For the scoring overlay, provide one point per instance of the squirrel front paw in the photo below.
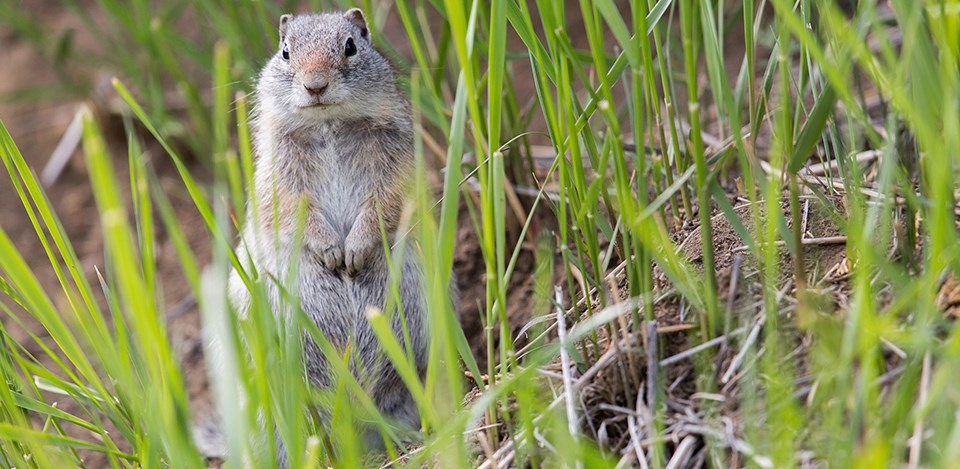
(331, 254)
(358, 252)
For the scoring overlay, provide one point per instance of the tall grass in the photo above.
(630, 108)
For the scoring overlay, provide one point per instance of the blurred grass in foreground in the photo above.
(630, 116)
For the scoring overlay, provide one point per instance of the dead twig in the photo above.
(635, 442)
(565, 365)
(699, 348)
(66, 147)
(487, 448)
(504, 455)
(606, 359)
(651, 364)
(738, 358)
(734, 281)
(683, 453)
(731, 441)
(916, 441)
(825, 241)
(820, 169)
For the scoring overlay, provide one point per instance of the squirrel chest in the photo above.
(331, 167)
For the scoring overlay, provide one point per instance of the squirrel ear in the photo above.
(355, 16)
(283, 25)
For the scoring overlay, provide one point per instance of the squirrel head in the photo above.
(326, 68)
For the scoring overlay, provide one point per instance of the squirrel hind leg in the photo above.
(208, 436)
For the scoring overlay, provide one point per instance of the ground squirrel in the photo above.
(332, 129)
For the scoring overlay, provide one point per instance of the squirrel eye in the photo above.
(349, 48)
(285, 53)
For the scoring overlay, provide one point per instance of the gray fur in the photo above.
(349, 153)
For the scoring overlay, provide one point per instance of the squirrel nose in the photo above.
(316, 88)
